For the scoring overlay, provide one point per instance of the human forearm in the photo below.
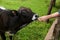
(44, 18)
(53, 15)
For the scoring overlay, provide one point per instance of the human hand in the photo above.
(43, 18)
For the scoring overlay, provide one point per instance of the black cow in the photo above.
(11, 20)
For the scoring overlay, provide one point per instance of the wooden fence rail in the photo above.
(54, 31)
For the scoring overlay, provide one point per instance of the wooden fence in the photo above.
(54, 31)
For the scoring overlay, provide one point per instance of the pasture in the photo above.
(35, 30)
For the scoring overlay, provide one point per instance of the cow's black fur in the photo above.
(11, 20)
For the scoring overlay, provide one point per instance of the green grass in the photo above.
(35, 30)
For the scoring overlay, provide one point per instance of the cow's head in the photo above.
(27, 14)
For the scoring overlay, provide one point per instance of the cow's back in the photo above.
(3, 20)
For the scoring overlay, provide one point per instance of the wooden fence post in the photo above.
(54, 31)
(49, 35)
(52, 3)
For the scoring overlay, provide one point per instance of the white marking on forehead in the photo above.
(34, 17)
(2, 8)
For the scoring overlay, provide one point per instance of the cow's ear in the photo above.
(14, 12)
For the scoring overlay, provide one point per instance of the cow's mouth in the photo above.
(35, 17)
